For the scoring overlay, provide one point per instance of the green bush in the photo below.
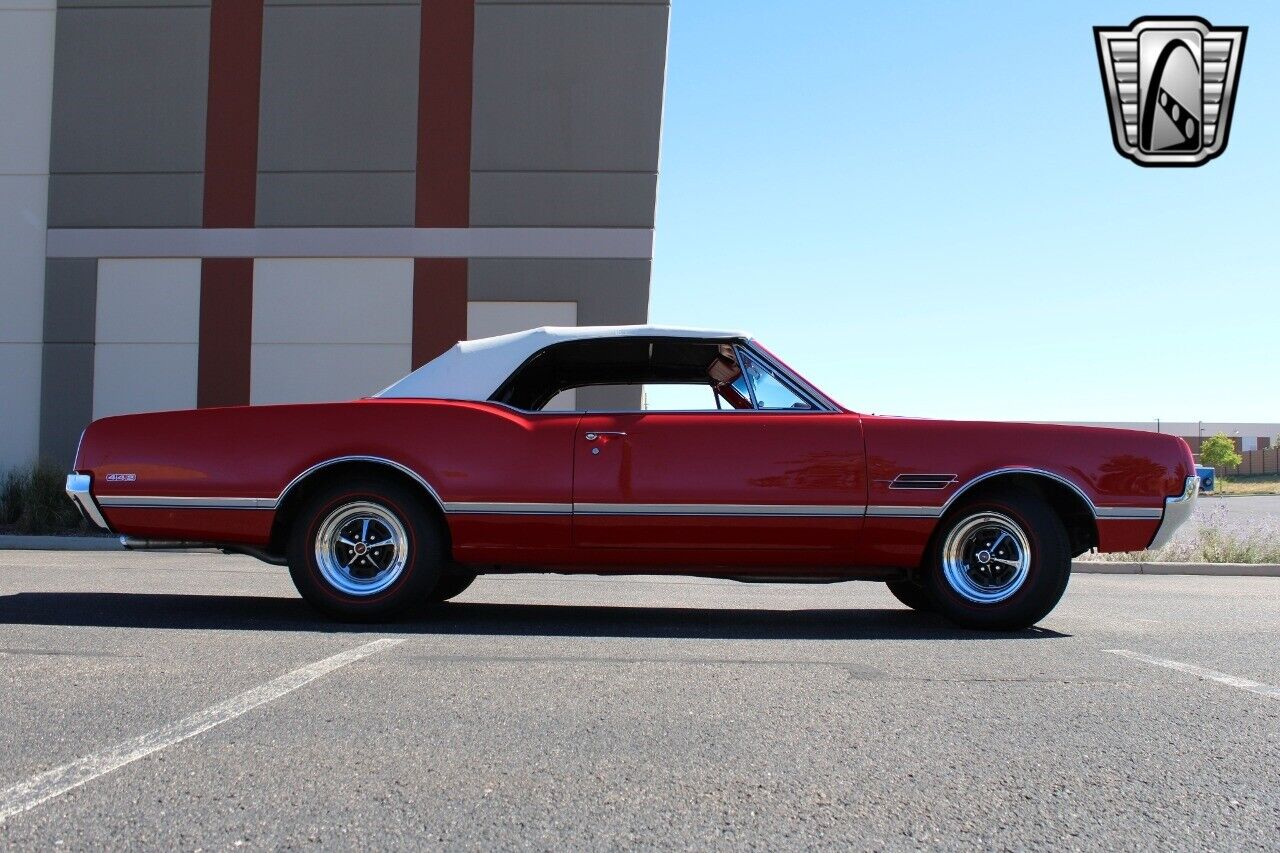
(34, 500)
(1220, 452)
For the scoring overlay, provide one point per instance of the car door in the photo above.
(719, 480)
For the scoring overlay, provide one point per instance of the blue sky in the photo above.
(919, 206)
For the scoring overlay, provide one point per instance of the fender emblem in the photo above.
(121, 478)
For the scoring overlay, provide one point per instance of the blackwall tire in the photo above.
(999, 563)
(912, 594)
(365, 550)
(450, 586)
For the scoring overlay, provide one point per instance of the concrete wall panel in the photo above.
(485, 319)
(27, 30)
(569, 2)
(568, 87)
(126, 201)
(22, 224)
(334, 199)
(106, 4)
(66, 372)
(143, 377)
(333, 300)
(607, 292)
(342, 2)
(66, 399)
(26, 90)
(296, 373)
(20, 391)
(130, 90)
(71, 298)
(148, 301)
(506, 199)
(339, 88)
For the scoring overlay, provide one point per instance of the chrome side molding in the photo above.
(78, 490)
(1177, 509)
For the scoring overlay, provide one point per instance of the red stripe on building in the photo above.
(226, 331)
(230, 199)
(443, 192)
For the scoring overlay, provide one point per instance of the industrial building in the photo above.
(238, 201)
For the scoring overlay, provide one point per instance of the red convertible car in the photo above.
(463, 467)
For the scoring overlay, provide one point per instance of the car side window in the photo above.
(770, 392)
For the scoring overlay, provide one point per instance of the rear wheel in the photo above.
(911, 594)
(999, 563)
(450, 586)
(364, 550)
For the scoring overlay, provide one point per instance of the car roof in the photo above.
(473, 370)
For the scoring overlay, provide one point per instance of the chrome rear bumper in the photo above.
(78, 490)
(1177, 510)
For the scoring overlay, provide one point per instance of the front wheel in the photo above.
(364, 550)
(999, 563)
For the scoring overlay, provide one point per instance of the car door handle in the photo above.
(592, 436)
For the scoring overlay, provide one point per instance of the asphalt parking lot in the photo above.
(193, 701)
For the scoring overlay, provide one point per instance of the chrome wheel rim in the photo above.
(986, 558)
(361, 548)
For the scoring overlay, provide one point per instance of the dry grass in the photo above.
(1210, 538)
(1262, 484)
(34, 500)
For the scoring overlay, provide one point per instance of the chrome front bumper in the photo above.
(78, 491)
(1177, 510)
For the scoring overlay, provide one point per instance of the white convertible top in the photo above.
(473, 370)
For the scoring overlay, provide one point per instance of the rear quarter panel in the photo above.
(465, 451)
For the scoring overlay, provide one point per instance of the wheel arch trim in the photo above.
(376, 460)
(1027, 470)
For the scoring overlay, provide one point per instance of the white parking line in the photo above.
(55, 782)
(1258, 687)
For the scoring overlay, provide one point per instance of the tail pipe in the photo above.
(134, 543)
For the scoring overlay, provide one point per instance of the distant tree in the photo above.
(1219, 452)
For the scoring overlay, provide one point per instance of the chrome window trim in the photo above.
(820, 400)
(821, 403)
(746, 379)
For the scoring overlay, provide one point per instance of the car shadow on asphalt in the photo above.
(229, 612)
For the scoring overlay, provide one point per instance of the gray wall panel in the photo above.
(126, 201)
(66, 377)
(414, 3)
(625, 199)
(568, 87)
(572, 2)
(335, 199)
(70, 300)
(339, 88)
(608, 292)
(130, 90)
(113, 4)
(66, 399)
